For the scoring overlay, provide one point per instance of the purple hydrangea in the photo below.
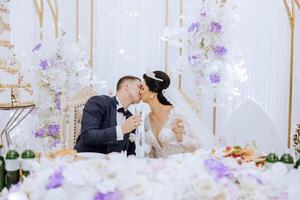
(41, 132)
(53, 129)
(217, 168)
(194, 27)
(215, 78)
(220, 50)
(44, 64)
(55, 180)
(116, 195)
(215, 27)
(37, 47)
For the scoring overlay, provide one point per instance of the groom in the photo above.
(106, 122)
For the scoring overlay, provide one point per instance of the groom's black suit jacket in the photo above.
(98, 128)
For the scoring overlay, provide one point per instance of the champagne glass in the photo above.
(140, 135)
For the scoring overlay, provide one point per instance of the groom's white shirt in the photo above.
(120, 120)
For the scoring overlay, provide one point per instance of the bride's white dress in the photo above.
(167, 143)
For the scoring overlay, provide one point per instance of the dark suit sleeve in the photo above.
(94, 112)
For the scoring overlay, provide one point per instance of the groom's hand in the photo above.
(131, 124)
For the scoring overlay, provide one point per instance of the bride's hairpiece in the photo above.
(152, 75)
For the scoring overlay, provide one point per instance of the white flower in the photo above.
(17, 196)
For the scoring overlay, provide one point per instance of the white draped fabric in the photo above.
(264, 41)
(127, 41)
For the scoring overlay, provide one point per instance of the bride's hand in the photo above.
(178, 128)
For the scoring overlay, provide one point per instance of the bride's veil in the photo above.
(197, 128)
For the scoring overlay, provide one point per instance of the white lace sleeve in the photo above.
(195, 127)
(189, 141)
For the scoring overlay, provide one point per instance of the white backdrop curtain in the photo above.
(126, 41)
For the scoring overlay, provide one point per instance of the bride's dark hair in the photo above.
(158, 86)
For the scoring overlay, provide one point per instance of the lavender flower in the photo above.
(215, 27)
(53, 129)
(55, 180)
(220, 50)
(217, 169)
(108, 196)
(37, 47)
(41, 132)
(44, 64)
(215, 78)
(194, 27)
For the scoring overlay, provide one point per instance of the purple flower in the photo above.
(55, 180)
(44, 64)
(53, 129)
(194, 27)
(220, 50)
(215, 27)
(215, 78)
(217, 168)
(41, 132)
(108, 196)
(37, 47)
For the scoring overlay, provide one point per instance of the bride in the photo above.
(171, 127)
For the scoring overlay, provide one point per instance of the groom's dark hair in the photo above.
(122, 80)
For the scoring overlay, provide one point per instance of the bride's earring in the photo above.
(152, 96)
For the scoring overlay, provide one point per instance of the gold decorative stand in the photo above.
(20, 113)
(21, 109)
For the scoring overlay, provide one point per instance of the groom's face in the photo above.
(134, 90)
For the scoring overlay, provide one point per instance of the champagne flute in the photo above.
(140, 130)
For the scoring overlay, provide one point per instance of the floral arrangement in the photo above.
(208, 50)
(55, 71)
(188, 176)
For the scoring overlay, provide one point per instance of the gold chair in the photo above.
(71, 120)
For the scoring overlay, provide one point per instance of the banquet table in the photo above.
(204, 174)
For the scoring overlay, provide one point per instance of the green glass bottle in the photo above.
(12, 167)
(287, 158)
(2, 169)
(272, 158)
(27, 157)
